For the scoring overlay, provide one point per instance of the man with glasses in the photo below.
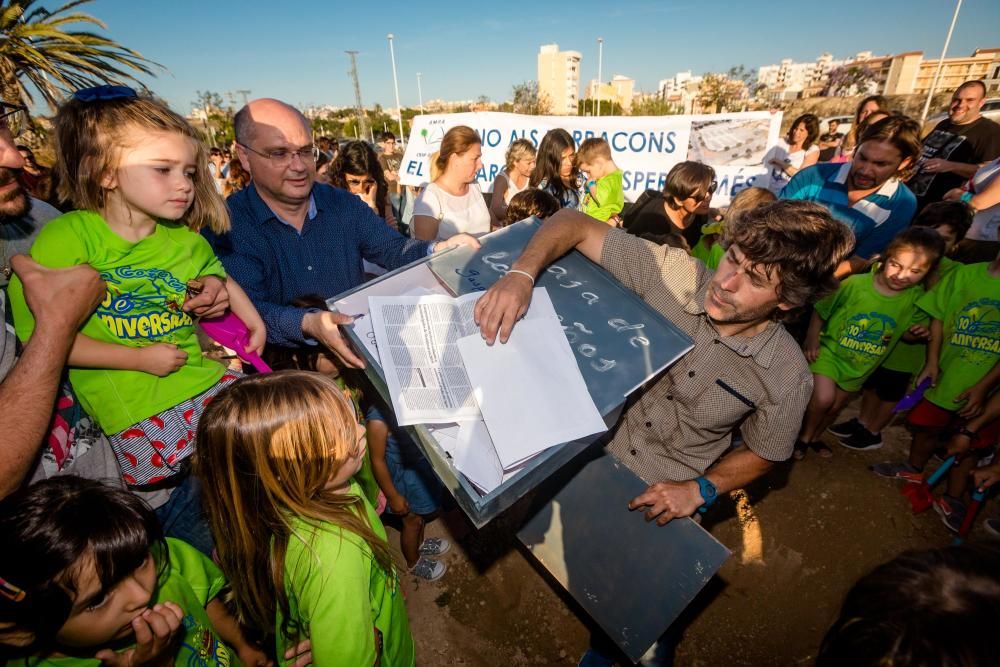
(866, 194)
(675, 216)
(293, 237)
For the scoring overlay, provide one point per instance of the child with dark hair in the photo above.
(935, 607)
(853, 329)
(88, 578)
(530, 202)
(962, 354)
(893, 378)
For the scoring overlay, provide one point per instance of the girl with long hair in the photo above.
(555, 168)
(139, 177)
(305, 551)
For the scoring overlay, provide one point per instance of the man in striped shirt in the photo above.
(866, 194)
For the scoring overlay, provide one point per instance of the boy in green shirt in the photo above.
(604, 198)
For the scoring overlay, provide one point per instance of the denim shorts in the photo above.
(411, 473)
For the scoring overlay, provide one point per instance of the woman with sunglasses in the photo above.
(675, 216)
(356, 169)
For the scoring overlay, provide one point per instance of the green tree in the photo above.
(528, 100)
(655, 106)
(607, 107)
(39, 52)
(719, 91)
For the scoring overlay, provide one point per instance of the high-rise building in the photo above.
(559, 78)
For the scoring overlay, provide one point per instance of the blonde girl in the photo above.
(305, 551)
(139, 177)
(513, 179)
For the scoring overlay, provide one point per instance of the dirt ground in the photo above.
(822, 524)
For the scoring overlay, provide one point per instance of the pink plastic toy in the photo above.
(230, 332)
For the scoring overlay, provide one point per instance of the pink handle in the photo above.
(230, 331)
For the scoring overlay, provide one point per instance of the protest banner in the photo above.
(644, 147)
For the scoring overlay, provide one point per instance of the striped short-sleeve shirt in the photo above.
(679, 425)
(874, 219)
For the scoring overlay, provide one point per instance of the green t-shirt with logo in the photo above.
(967, 302)
(338, 595)
(608, 198)
(861, 326)
(191, 581)
(147, 284)
(911, 357)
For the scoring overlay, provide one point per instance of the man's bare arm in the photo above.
(508, 299)
(61, 300)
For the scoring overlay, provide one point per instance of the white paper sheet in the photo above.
(418, 280)
(417, 341)
(530, 390)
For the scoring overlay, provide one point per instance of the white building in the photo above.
(559, 78)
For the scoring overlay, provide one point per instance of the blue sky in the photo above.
(294, 49)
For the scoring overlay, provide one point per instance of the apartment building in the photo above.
(559, 78)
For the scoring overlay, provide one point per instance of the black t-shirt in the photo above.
(972, 143)
(648, 217)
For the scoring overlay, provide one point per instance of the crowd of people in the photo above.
(164, 507)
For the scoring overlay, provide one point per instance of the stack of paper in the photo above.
(512, 401)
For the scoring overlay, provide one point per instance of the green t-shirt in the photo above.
(861, 327)
(607, 199)
(338, 595)
(710, 256)
(911, 357)
(967, 302)
(191, 581)
(147, 283)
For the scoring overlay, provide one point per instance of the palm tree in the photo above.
(37, 49)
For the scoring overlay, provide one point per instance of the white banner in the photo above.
(643, 147)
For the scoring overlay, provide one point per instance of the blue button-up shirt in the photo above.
(275, 263)
(874, 220)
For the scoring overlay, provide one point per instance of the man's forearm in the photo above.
(737, 469)
(564, 231)
(27, 396)
(964, 170)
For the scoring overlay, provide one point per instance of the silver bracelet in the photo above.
(523, 273)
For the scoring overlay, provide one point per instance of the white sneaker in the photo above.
(430, 570)
(434, 546)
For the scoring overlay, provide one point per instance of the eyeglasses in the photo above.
(13, 117)
(712, 187)
(282, 157)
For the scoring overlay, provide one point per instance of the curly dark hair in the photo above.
(798, 239)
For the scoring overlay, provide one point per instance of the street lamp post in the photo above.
(937, 73)
(395, 85)
(600, 64)
(420, 95)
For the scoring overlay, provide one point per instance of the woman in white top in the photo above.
(513, 179)
(453, 203)
(794, 153)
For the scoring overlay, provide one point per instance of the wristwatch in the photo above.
(708, 493)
